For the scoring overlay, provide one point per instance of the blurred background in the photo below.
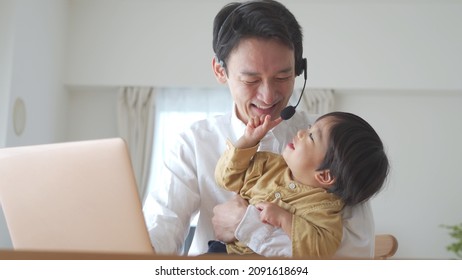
(396, 63)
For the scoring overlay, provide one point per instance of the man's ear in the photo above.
(324, 178)
(219, 70)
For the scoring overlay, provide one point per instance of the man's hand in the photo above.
(227, 216)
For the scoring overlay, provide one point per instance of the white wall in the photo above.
(92, 114)
(35, 74)
(382, 44)
(6, 50)
(349, 44)
(160, 43)
(396, 63)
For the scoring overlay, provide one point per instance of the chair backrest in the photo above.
(386, 246)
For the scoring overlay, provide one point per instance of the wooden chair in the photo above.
(386, 246)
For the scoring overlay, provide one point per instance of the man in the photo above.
(258, 53)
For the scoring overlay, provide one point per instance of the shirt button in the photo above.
(277, 195)
(292, 185)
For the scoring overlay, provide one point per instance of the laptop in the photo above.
(74, 196)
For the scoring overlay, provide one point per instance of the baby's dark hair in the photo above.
(355, 157)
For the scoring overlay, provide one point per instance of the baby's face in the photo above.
(307, 151)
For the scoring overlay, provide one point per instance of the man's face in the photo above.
(260, 76)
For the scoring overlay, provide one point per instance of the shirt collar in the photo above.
(237, 125)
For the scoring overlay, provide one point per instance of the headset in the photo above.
(289, 111)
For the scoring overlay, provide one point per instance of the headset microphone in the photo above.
(289, 111)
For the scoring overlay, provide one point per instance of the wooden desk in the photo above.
(53, 255)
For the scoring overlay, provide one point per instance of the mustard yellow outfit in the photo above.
(264, 176)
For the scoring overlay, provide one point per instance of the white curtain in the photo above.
(136, 126)
(317, 101)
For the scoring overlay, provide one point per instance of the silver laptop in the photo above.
(75, 196)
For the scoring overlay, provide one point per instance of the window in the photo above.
(175, 110)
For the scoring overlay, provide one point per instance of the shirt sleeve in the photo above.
(263, 239)
(167, 217)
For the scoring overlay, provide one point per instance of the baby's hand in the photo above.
(272, 214)
(257, 127)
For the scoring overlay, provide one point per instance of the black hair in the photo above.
(258, 18)
(355, 157)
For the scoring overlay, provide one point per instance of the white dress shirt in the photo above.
(189, 188)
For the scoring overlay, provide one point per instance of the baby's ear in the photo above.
(324, 178)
